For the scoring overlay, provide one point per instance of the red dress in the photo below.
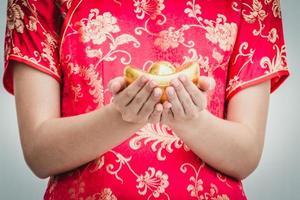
(83, 44)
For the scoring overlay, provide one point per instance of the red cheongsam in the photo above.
(83, 44)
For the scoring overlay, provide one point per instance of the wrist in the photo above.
(116, 116)
(194, 125)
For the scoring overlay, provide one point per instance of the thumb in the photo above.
(206, 83)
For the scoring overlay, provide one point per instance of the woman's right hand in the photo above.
(139, 102)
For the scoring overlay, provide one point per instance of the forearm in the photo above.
(62, 144)
(228, 146)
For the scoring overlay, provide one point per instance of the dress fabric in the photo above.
(83, 44)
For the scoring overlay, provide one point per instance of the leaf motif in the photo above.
(257, 6)
(250, 18)
(160, 138)
(92, 53)
(125, 38)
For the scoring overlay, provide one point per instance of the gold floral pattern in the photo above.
(153, 180)
(161, 138)
(22, 17)
(169, 38)
(98, 27)
(15, 17)
(218, 31)
(98, 39)
(197, 184)
(148, 7)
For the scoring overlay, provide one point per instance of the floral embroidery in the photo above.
(169, 38)
(213, 194)
(107, 194)
(91, 75)
(257, 13)
(157, 182)
(153, 181)
(153, 8)
(275, 7)
(243, 47)
(77, 92)
(98, 39)
(222, 33)
(197, 184)
(17, 20)
(159, 135)
(219, 31)
(98, 27)
(15, 17)
(277, 63)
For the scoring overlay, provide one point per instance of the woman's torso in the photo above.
(98, 38)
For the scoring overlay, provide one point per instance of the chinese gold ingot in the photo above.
(162, 73)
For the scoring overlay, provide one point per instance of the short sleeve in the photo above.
(31, 38)
(260, 52)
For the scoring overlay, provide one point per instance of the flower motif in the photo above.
(156, 182)
(222, 197)
(152, 8)
(233, 83)
(107, 194)
(98, 27)
(257, 12)
(272, 37)
(276, 8)
(222, 33)
(15, 17)
(169, 38)
(194, 189)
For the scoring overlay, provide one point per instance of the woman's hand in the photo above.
(185, 101)
(139, 102)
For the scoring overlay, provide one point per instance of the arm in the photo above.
(52, 144)
(233, 146)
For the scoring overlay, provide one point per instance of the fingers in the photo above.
(141, 98)
(206, 83)
(196, 95)
(183, 97)
(149, 105)
(155, 116)
(176, 108)
(116, 85)
(167, 114)
(127, 95)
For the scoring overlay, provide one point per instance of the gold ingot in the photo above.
(162, 73)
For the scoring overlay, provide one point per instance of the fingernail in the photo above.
(182, 77)
(143, 79)
(115, 86)
(159, 108)
(157, 93)
(170, 92)
(152, 84)
(175, 83)
(168, 105)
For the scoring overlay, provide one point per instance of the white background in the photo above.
(276, 178)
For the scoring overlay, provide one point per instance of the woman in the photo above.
(98, 139)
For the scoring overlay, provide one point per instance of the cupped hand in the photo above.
(185, 100)
(138, 102)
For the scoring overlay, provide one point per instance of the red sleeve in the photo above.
(259, 53)
(31, 38)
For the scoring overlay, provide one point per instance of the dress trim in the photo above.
(281, 75)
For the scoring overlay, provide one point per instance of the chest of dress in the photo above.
(99, 38)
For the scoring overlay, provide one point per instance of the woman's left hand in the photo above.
(186, 101)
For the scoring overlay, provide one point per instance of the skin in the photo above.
(53, 145)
